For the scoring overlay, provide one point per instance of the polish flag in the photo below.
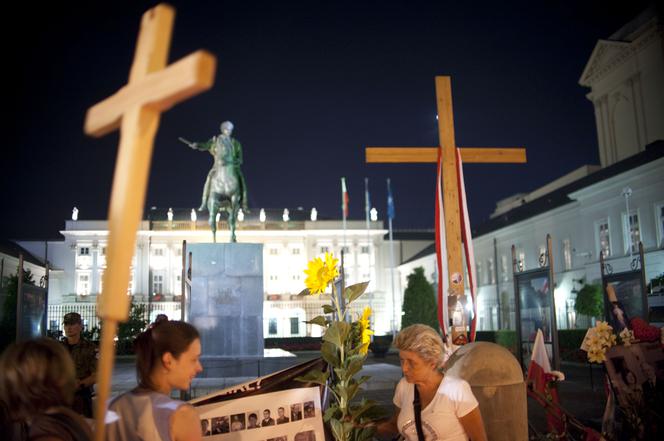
(543, 381)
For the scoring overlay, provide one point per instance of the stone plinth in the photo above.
(227, 306)
(496, 379)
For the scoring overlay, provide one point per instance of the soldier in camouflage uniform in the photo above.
(84, 354)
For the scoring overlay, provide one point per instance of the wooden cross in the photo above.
(136, 109)
(450, 183)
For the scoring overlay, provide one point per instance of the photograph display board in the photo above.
(32, 313)
(287, 415)
(535, 311)
(631, 298)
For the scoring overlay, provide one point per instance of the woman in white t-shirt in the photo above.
(449, 410)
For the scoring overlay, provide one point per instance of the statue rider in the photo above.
(215, 147)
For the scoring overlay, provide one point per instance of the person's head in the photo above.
(73, 324)
(630, 378)
(204, 425)
(280, 412)
(161, 318)
(253, 418)
(266, 413)
(420, 351)
(227, 128)
(167, 354)
(36, 375)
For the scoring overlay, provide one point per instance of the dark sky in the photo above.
(308, 85)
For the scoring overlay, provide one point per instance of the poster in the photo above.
(636, 372)
(286, 415)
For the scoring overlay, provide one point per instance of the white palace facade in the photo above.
(78, 263)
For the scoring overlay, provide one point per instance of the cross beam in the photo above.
(136, 109)
(450, 185)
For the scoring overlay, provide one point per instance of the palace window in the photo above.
(631, 232)
(157, 284)
(603, 237)
(272, 326)
(503, 268)
(295, 251)
(84, 251)
(567, 254)
(158, 252)
(83, 284)
(364, 249)
(491, 269)
(659, 214)
(324, 250)
(274, 251)
(294, 326)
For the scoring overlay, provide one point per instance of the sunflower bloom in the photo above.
(320, 273)
(365, 332)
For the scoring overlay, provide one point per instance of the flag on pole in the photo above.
(367, 200)
(540, 378)
(390, 201)
(344, 198)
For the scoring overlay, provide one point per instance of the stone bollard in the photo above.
(496, 378)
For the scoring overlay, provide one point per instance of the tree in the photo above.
(129, 330)
(589, 301)
(8, 324)
(419, 302)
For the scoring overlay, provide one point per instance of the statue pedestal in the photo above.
(496, 378)
(226, 306)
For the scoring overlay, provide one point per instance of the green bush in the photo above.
(419, 301)
(589, 301)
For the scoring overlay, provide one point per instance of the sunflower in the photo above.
(320, 274)
(365, 332)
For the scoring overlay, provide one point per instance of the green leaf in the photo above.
(352, 391)
(354, 365)
(354, 291)
(364, 406)
(314, 376)
(319, 320)
(363, 379)
(337, 430)
(329, 353)
(328, 309)
(304, 292)
(337, 333)
(331, 412)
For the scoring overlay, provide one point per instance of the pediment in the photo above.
(603, 57)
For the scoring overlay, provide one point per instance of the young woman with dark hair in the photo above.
(167, 358)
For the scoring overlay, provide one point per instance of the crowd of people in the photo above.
(46, 390)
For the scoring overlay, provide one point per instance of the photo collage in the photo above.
(262, 418)
(288, 415)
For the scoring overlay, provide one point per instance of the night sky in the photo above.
(308, 85)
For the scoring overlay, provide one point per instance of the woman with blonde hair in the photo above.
(167, 358)
(36, 389)
(429, 404)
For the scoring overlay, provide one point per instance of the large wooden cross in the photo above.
(136, 109)
(447, 149)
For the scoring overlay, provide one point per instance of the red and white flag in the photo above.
(543, 381)
(344, 199)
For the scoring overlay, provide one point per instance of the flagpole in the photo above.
(344, 206)
(367, 208)
(390, 215)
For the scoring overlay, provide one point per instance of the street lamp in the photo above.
(626, 193)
